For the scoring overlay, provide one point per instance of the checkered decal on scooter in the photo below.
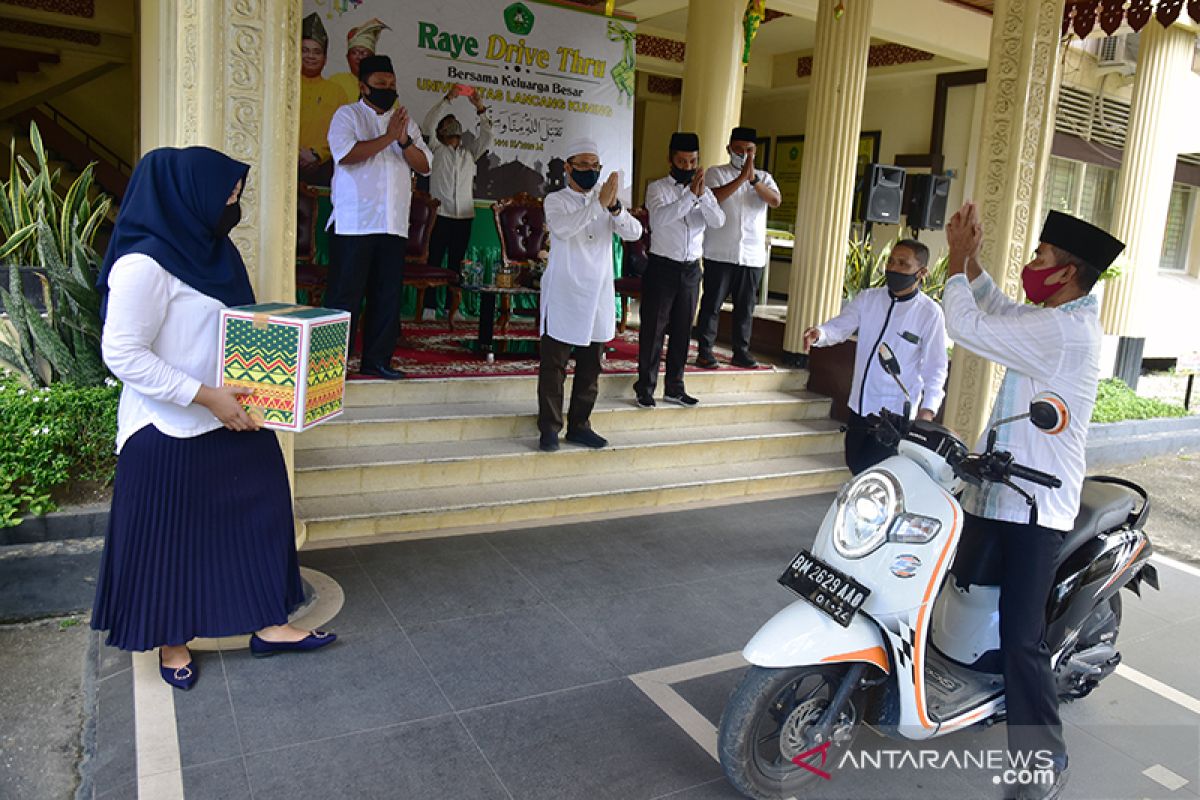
(903, 642)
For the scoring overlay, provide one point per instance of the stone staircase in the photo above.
(433, 457)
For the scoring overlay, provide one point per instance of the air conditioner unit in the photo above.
(1118, 53)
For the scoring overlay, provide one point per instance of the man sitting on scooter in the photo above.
(1051, 344)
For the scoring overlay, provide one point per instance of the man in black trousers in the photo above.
(375, 148)
(681, 208)
(736, 252)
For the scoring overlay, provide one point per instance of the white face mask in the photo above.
(738, 160)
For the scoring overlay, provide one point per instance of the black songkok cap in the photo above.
(1081, 239)
(374, 64)
(743, 135)
(686, 142)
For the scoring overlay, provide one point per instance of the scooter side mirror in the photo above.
(1049, 412)
(887, 360)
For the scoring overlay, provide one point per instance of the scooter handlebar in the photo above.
(1035, 476)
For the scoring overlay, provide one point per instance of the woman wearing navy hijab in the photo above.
(200, 539)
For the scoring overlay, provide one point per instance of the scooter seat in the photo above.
(1101, 506)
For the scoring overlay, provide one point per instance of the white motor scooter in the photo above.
(887, 633)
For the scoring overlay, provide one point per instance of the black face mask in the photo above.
(899, 281)
(231, 215)
(585, 178)
(381, 98)
(682, 176)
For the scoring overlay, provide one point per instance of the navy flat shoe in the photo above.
(180, 677)
(261, 648)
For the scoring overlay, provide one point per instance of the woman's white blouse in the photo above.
(160, 339)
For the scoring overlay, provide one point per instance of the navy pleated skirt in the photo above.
(200, 540)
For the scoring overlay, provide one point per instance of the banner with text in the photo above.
(546, 74)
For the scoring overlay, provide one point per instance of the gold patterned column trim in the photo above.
(1018, 111)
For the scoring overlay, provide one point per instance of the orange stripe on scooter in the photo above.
(872, 655)
(918, 643)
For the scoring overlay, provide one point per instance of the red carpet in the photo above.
(431, 350)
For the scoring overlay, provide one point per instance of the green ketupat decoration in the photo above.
(756, 12)
(624, 74)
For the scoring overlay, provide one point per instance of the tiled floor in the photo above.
(496, 666)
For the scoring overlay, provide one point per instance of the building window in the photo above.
(1083, 190)
(1175, 238)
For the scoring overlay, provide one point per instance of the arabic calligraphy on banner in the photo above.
(547, 75)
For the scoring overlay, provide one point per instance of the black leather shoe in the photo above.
(745, 362)
(707, 362)
(645, 401)
(587, 438)
(387, 373)
(1049, 790)
(548, 442)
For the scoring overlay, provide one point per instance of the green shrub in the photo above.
(53, 437)
(1115, 402)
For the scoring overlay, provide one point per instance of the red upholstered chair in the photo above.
(311, 278)
(521, 224)
(418, 272)
(633, 264)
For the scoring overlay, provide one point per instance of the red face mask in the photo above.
(1035, 282)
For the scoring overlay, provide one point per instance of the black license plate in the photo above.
(831, 591)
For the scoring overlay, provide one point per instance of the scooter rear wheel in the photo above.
(768, 722)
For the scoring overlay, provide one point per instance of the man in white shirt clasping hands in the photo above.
(577, 307)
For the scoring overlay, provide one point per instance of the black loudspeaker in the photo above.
(883, 193)
(927, 202)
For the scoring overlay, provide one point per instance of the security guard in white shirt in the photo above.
(375, 148)
(1051, 344)
(680, 208)
(909, 322)
(736, 252)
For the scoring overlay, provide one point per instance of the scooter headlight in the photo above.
(866, 509)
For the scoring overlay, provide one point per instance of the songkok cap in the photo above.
(1081, 239)
(366, 35)
(450, 126)
(743, 135)
(580, 145)
(374, 64)
(312, 28)
(687, 142)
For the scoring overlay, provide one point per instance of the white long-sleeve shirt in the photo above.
(913, 326)
(678, 219)
(452, 171)
(371, 196)
(160, 338)
(577, 288)
(1045, 349)
(742, 239)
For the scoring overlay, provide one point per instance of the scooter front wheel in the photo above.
(769, 722)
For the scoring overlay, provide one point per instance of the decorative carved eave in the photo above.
(74, 8)
(1081, 16)
(889, 54)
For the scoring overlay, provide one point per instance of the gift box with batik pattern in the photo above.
(293, 357)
